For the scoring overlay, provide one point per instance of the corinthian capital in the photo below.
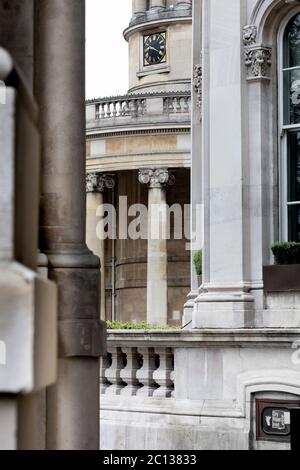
(156, 178)
(99, 183)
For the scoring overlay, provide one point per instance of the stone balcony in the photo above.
(170, 109)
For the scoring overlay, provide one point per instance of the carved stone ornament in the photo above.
(99, 183)
(258, 63)
(249, 35)
(156, 178)
(197, 80)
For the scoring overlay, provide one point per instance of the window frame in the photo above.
(284, 130)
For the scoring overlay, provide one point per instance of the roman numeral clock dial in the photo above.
(154, 49)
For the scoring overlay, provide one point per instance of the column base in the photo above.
(225, 307)
(188, 310)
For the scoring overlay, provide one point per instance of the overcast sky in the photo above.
(107, 50)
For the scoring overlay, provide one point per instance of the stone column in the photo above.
(196, 170)
(157, 262)
(139, 7)
(96, 185)
(183, 4)
(157, 4)
(73, 403)
(226, 300)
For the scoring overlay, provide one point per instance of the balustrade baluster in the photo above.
(108, 110)
(105, 363)
(114, 109)
(140, 104)
(129, 374)
(162, 376)
(102, 111)
(186, 104)
(178, 105)
(145, 374)
(113, 374)
(171, 105)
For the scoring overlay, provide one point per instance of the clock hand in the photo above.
(154, 48)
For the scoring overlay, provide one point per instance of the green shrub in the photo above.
(198, 262)
(286, 253)
(115, 325)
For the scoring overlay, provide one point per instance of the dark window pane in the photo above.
(294, 167)
(294, 223)
(292, 43)
(293, 174)
(291, 96)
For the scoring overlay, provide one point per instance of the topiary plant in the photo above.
(286, 253)
(198, 262)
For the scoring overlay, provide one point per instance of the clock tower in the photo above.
(160, 45)
(138, 148)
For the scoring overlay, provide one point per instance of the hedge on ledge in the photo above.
(286, 253)
(115, 325)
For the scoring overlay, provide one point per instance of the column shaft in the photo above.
(96, 245)
(73, 403)
(157, 276)
(158, 4)
(16, 33)
(139, 7)
(157, 262)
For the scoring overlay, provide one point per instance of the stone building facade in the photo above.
(138, 147)
(230, 379)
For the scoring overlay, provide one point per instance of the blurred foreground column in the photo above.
(73, 403)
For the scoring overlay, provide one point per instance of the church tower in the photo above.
(138, 152)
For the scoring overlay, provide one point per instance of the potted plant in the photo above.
(198, 265)
(284, 275)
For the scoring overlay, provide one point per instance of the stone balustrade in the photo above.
(131, 109)
(145, 371)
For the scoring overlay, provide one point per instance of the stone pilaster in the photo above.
(73, 403)
(196, 170)
(226, 299)
(157, 282)
(96, 185)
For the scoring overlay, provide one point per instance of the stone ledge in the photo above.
(266, 337)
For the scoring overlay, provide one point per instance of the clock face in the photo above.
(155, 49)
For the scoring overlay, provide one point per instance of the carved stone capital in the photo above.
(157, 178)
(258, 61)
(99, 182)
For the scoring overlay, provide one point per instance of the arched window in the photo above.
(290, 130)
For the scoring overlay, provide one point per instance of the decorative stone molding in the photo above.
(258, 58)
(157, 178)
(198, 84)
(99, 183)
(258, 63)
(249, 35)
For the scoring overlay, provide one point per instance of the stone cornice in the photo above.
(131, 132)
(205, 337)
